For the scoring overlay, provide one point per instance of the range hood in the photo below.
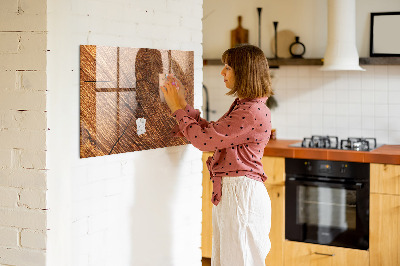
(341, 51)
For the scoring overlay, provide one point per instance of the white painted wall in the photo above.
(23, 133)
(140, 208)
(306, 19)
(311, 102)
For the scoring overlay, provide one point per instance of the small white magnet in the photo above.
(141, 126)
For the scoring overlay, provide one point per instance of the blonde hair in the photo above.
(250, 66)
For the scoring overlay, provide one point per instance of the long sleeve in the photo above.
(229, 131)
(193, 113)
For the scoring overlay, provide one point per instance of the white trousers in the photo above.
(241, 223)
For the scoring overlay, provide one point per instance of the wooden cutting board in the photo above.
(239, 35)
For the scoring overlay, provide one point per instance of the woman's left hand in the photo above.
(170, 90)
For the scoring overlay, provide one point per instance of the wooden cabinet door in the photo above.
(384, 236)
(304, 254)
(274, 168)
(277, 233)
(206, 226)
(385, 178)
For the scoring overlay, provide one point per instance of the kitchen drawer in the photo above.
(305, 254)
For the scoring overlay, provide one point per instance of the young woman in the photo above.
(242, 208)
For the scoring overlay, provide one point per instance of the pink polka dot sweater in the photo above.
(238, 139)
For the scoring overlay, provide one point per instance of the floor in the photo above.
(206, 261)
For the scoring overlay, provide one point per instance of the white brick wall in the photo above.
(140, 208)
(11, 256)
(8, 197)
(9, 237)
(22, 132)
(100, 209)
(33, 239)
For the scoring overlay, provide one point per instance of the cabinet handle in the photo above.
(324, 254)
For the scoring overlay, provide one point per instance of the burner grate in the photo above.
(332, 142)
(327, 142)
(358, 144)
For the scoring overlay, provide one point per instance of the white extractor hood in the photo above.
(341, 51)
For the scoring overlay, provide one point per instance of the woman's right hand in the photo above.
(172, 95)
(181, 91)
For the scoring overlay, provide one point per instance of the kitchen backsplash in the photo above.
(314, 102)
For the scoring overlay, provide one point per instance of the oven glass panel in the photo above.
(326, 207)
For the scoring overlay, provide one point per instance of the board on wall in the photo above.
(120, 105)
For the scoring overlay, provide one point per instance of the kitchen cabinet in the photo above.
(385, 178)
(384, 221)
(274, 168)
(385, 230)
(206, 226)
(277, 233)
(305, 254)
(385, 214)
(384, 245)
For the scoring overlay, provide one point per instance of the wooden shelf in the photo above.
(274, 63)
(212, 62)
(380, 61)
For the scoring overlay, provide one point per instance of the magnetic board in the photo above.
(120, 105)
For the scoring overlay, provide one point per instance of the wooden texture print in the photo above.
(118, 88)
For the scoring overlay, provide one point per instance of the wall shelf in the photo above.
(274, 63)
(380, 61)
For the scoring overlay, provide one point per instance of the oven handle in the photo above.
(357, 185)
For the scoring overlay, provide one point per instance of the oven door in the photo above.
(327, 213)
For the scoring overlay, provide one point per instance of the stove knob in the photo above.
(308, 166)
(343, 168)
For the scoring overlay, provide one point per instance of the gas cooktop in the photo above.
(332, 142)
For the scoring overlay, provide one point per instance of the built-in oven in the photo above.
(327, 202)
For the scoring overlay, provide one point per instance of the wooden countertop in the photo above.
(389, 154)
